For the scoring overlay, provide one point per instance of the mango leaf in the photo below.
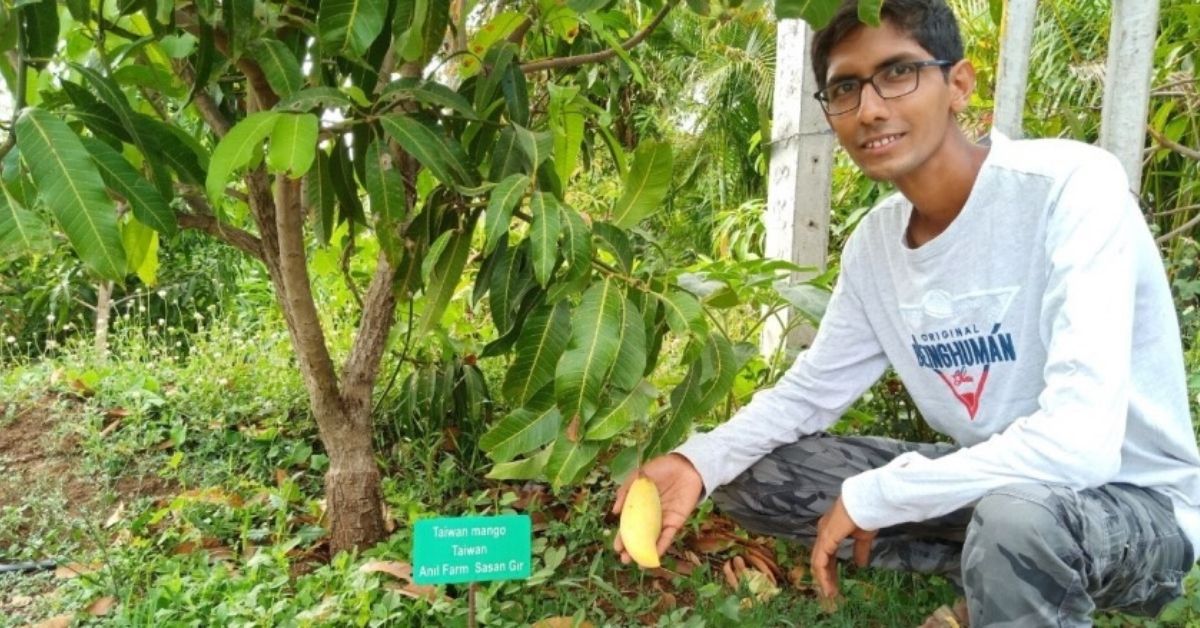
(293, 144)
(536, 146)
(349, 25)
(543, 235)
(578, 245)
(708, 381)
(40, 30)
(566, 122)
(141, 250)
(524, 429)
(385, 185)
(119, 175)
(505, 197)
(631, 356)
(616, 417)
(410, 21)
(444, 277)
(236, 149)
(109, 92)
(429, 93)
(22, 232)
(511, 279)
(524, 469)
(319, 196)
(646, 183)
(616, 242)
(684, 313)
(817, 13)
(569, 459)
(442, 156)
(174, 147)
(595, 328)
(516, 94)
(868, 11)
(507, 157)
(809, 300)
(71, 187)
(278, 64)
(543, 339)
(314, 98)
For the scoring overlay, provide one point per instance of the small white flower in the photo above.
(11, 340)
(178, 344)
(198, 316)
(162, 321)
(49, 318)
(222, 382)
(141, 309)
(51, 344)
(162, 294)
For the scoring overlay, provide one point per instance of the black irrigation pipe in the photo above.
(28, 566)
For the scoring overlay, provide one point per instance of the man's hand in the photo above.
(679, 488)
(833, 527)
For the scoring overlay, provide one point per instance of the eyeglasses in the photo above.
(892, 81)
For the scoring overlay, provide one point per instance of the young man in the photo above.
(1018, 294)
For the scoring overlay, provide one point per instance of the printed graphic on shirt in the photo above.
(959, 338)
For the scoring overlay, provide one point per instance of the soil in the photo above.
(34, 460)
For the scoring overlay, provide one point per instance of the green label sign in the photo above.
(472, 549)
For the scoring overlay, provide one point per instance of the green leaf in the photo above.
(616, 242)
(236, 149)
(569, 459)
(617, 416)
(429, 93)
(536, 146)
(869, 10)
(411, 17)
(111, 94)
(171, 145)
(349, 25)
(293, 144)
(817, 13)
(69, 185)
(278, 64)
(684, 313)
(319, 195)
(516, 94)
(442, 156)
(385, 185)
(507, 156)
(141, 250)
(646, 184)
(40, 30)
(22, 232)
(119, 175)
(808, 299)
(595, 328)
(543, 235)
(578, 246)
(566, 122)
(523, 469)
(708, 381)
(627, 369)
(314, 98)
(542, 342)
(505, 197)
(443, 279)
(524, 429)
(511, 279)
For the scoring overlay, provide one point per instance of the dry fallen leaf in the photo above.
(115, 516)
(74, 570)
(396, 569)
(58, 621)
(562, 621)
(101, 606)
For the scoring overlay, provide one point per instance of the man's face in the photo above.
(890, 138)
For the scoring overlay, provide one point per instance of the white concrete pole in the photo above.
(800, 184)
(1127, 83)
(1016, 41)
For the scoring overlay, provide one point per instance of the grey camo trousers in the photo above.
(1025, 555)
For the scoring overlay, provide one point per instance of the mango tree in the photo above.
(444, 131)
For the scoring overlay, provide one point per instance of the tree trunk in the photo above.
(353, 501)
(103, 313)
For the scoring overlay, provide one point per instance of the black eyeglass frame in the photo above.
(822, 96)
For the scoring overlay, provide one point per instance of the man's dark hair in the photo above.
(930, 22)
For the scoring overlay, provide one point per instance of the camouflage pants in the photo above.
(1025, 555)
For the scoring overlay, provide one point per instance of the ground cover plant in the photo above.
(170, 436)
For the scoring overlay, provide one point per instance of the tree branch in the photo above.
(256, 80)
(204, 103)
(379, 310)
(603, 55)
(19, 97)
(242, 240)
(1168, 143)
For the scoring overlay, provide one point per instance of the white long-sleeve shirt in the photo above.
(1037, 331)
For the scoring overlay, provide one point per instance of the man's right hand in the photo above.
(679, 488)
